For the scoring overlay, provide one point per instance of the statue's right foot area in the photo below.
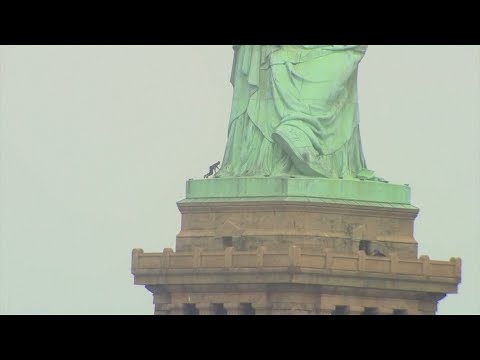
(367, 174)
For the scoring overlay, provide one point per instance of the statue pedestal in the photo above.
(312, 213)
(277, 246)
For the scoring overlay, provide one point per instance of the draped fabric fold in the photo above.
(295, 112)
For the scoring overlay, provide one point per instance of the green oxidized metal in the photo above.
(295, 112)
(286, 188)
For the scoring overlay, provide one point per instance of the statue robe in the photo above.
(295, 112)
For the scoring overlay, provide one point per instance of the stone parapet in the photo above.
(262, 259)
(292, 282)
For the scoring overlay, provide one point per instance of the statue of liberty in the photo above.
(295, 112)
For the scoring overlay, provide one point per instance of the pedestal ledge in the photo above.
(298, 187)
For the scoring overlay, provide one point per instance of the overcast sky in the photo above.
(97, 143)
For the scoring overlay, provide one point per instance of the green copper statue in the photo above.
(295, 112)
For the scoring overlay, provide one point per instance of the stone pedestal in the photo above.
(295, 246)
(293, 282)
(314, 214)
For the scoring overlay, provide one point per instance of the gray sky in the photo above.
(97, 143)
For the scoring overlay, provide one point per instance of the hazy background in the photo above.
(98, 141)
